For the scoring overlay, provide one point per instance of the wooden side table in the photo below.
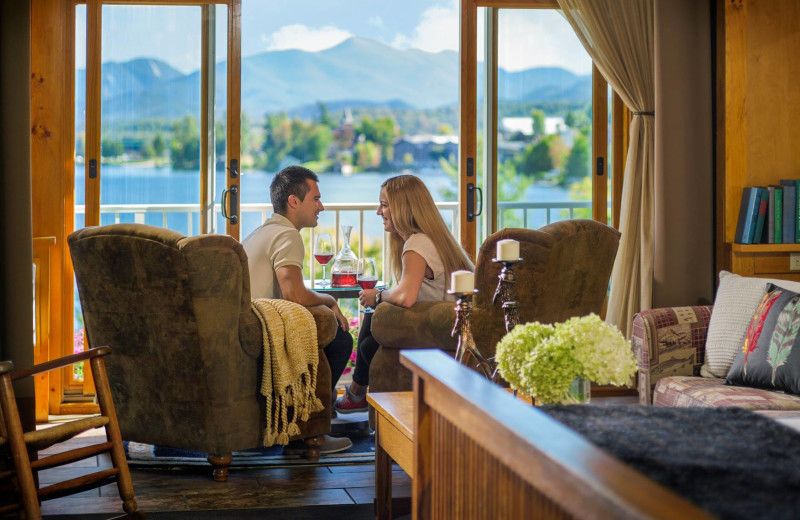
(394, 440)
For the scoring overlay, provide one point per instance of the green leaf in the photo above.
(786, 329)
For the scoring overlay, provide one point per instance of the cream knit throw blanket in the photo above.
(290, 367)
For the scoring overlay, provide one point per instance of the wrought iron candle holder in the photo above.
(505, 292)
(466, 348)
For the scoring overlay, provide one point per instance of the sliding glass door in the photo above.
(534, 116)
(157, 124)
(157, 115)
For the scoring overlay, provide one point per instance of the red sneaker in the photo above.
(351, 403)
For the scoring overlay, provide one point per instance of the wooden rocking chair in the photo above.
(18, 448)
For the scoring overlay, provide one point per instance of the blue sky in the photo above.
(528, 38)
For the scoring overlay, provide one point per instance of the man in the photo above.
(275, 254)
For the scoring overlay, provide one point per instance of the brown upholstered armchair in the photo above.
(564, 273)
(186, 369)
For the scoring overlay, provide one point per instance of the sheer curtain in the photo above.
(618, 35)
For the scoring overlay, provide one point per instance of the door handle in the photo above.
(471, 205)
(234, 213)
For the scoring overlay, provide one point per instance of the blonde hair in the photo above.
(412, 210)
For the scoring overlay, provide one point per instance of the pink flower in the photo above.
(353, 322)
(78, 342)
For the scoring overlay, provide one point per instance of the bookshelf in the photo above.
(758, 124)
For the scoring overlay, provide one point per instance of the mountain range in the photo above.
(357, 72)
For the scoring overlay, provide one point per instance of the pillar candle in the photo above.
(462, 281)
(508, 250)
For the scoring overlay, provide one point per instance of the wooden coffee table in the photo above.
(394, 441)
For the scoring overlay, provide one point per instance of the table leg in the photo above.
(383, 481)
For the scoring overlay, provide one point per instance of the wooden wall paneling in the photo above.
(42, 249)
(51, 164)
(722, 253)
(758, 118)
(735, 111)
(772, 100)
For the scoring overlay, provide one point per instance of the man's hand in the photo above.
(340, 318)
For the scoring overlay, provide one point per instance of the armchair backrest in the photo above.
(565, 272)
(171, 307)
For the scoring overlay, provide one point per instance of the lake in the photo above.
(126, 184)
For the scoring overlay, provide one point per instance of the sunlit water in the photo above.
(150, 185)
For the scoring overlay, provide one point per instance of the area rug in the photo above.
(729, 461)
(328, 512)
(147, 455)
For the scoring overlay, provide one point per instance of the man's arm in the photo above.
(290, 279)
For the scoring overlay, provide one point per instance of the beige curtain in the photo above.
(618, 35)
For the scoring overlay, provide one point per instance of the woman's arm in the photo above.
(406, 292)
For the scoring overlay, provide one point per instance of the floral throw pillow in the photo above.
(770, 355)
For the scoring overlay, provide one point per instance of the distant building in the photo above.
(517, 125)
(425, 150)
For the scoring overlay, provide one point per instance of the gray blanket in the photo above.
(731, 462)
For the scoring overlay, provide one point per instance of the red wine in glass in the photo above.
(367, 276)
(323, 252)
(323, 259)
(367, 283)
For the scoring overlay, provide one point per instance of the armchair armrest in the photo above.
(250, 329)
(424, 325)
(667, 342)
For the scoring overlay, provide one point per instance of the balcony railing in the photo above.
(534, 210)
(185, 217)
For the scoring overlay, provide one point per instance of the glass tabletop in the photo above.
(340, 292)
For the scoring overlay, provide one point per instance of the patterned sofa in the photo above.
(669, 345)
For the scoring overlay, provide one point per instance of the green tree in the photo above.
(111, 148)
(159, 145)
(535, 159)
(185, 145)
(577, 165)
(324, 115)
(538, 123)
(367, 155)
(382, 131)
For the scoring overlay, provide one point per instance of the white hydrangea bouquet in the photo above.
(543, 361)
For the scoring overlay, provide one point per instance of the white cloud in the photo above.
(539, 38)
(437, 30)
(298, 36)
(375, 21)
(526, 38)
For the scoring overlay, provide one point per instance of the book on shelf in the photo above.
(789, 220)
(761, 218)
(770, 234)
(777, 211)
(745, 227)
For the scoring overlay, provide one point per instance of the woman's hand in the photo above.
(367, 297)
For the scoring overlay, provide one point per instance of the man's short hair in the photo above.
(289, 181)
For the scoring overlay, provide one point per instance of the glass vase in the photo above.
(580, 391)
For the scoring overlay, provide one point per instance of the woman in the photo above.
(422, 255)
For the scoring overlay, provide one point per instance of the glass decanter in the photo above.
(345, 263)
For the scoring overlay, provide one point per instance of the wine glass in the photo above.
(323, 252)
(367, 276)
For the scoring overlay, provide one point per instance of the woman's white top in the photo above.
(432, 289)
